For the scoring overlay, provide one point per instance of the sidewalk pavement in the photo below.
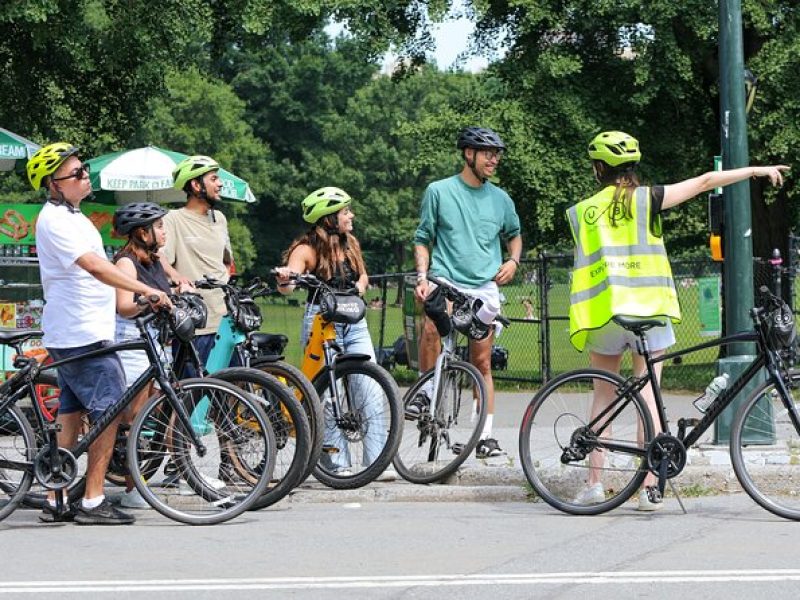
(708, 469)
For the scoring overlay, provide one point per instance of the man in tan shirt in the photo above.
(198, 243)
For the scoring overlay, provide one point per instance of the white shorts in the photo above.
(611, 339)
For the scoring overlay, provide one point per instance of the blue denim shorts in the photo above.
(92, 384)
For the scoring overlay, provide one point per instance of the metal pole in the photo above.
(738, 296)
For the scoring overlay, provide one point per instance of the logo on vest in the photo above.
(593, 213)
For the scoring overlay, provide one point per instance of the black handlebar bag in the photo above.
(341, 308)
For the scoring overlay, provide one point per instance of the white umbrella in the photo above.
(146, 174)
(14, 147)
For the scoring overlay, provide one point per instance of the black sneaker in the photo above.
(105, 514)
(488, 448)
(50, 514)
(417, 405)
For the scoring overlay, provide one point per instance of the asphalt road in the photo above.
(725, 547)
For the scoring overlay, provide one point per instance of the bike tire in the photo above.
(434, 446)
(230, 416)
(289, 423)
(361, 382)
(17, 445)
(305, 392)
(765, 447)
(551, 426)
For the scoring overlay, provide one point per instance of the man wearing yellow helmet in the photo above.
(79, 316)
(198, 243)
(621, 268)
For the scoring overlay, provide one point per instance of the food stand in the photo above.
(21, 298)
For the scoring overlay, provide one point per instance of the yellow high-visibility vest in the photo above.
(619, 270)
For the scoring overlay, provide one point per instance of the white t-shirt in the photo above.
(79, 309)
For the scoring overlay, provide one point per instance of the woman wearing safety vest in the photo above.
(621, 268)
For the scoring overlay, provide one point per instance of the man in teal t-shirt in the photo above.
(463, 221)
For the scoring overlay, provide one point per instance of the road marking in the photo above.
(389, 581)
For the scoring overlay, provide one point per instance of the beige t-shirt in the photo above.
(196, 247)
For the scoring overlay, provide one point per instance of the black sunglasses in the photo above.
(76, 173)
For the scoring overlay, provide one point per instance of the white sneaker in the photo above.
(591, 494)
(388, 475)
(133, 499)
(650, 499)
(212, 482)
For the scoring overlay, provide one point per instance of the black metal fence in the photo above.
(536, 346)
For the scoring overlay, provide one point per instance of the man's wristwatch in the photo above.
(516, 260)
(421, 276)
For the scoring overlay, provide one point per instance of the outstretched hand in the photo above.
(775, 173)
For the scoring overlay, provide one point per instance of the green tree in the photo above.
(202, 115)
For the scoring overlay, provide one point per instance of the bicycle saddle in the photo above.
(13, 336)
(637, 324)
(273, 342)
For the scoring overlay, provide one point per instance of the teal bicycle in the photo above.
(260, 370)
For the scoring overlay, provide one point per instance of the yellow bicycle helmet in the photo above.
(47, 160)
(324, 201)
(191, 168)
(615, 148)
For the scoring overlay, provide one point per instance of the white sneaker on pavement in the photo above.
(133, 499)
(650, 499)
(591, 494)
(388, 475)
(185, 490)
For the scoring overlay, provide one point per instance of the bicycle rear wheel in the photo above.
(434, 445)
(233, 429)
(289, 423)
(361, 444)
(304, 391)
(17, 449)
(563, 458)
(765, 448)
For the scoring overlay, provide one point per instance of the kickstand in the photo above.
(675, 491)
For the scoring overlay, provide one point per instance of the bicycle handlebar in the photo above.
(454, 294)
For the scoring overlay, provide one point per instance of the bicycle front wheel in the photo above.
(17, 449)
(233, 430)
(440, 439)
(765, 447)
(361, 442)
(576, 460)
(289, 423)
(304, 391)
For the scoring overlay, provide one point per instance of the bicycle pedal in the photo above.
(330, 450)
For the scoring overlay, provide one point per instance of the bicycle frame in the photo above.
(23, 382)
(323, 351)
(765, 358)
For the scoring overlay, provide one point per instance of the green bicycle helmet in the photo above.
(191, 168)
(615, 148)
(47, 160)
(322, 202)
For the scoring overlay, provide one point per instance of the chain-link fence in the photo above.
(536, 346)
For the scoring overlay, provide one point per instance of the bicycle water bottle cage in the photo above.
(436, 309)
(341, 308)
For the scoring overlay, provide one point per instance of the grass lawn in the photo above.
(522, 339)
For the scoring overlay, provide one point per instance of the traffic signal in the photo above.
(715, 225)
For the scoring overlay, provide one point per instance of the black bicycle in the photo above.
(199, 424)
(592, 426)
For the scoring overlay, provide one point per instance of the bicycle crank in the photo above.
(55, 477)
(666, 449)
